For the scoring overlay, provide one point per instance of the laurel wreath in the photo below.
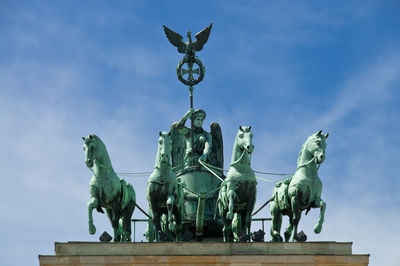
(194, 61)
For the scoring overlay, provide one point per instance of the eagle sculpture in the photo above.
(189, 48)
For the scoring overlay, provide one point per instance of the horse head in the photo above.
(245, 139)
(164, 148)
(89, 147)
(316, 145)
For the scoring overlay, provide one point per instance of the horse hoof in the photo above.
(229, 216)
(92, 229)
(317, 229)
(276, 237)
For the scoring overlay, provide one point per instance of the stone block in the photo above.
(204, 253)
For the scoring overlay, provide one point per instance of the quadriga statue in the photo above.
(300, 192)
(108, 191)
(208, 148)
(164, 195)
(237, 196)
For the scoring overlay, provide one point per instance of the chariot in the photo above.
(188, 193)
(200, 185)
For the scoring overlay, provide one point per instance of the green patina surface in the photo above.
(164, 195)
(190, 146)
(108, 191)
(188, 190)
(300, 192)
(237, 196)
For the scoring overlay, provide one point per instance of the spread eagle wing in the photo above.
(202, 38)
(175, 39)
(178, 148)
(217, 148)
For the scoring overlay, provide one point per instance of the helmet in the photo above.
(199, 112)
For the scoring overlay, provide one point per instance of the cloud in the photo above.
(295, 23)
(374, 85)
(361, 160)
(55, 90)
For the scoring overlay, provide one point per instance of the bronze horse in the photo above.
(300, 192)
(237, 196)
(164, 195)
(108, 191)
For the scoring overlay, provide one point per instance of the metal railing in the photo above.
(262, 220)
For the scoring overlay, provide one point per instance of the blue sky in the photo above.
(288, 69)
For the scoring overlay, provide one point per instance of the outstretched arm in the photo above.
(181, 124)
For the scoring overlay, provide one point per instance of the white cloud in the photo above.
(296, 23)
(47, 104)
(374, 85)
(361, 195)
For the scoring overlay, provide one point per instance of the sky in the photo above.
(287, 68)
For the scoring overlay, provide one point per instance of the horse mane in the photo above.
(235, 146)
(99, 142)
(96, 137)
(301, 152)
(157, 156)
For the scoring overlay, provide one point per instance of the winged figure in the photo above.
(189, 48)
(209, 145)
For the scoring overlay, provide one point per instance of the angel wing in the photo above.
(202, 38)
(217, 150)
(178, 148)
(176, 39)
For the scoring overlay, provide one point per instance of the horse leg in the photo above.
(156, 219)
(170, 221)
(276, 222)
(178, 214)
(289, 229)
(127, 224)
(319, 203)
(93, 203)
(126, 230)
(109, 213)
(126, 216)
(226, 228)
(157, 226)
(114, 223)
(236, 226)
(231, 199)
(296, 215)
(122, 227)
(250, 207)
(178, 221)
(231, 196)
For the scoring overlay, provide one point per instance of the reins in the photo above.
(240, 158)
(307, 163)
(100, 165)
(208, 166)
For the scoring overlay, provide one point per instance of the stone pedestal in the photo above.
(204, 253)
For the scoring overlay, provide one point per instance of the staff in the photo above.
(191, 123)
(189, 48)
